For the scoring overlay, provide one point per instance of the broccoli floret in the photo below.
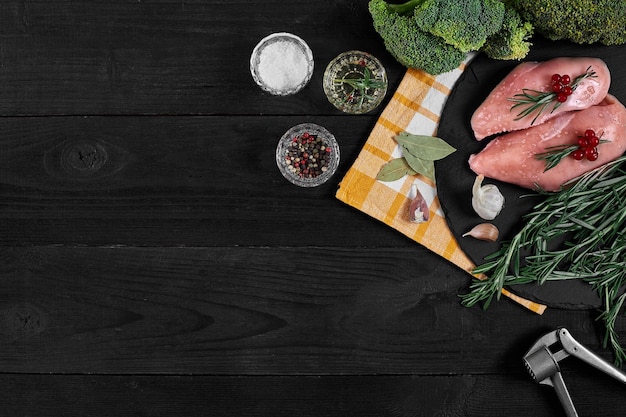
(410, 45)
(465, 24)
(513, 39)
(580, 21)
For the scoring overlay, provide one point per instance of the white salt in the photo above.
(282, 65)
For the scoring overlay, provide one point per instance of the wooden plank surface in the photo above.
(256, 311)
(169, 181)
(370, 396)
(153, 261)
(162, 57)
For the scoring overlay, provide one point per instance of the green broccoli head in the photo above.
(465, 24)
(513, 39)
(579, 21)
(411, 46)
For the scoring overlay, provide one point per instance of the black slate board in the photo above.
(455, 178)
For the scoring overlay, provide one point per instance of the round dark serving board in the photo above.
(455, 178)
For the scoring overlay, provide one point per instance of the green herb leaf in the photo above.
(536, 102)
(594, 252)
(429, 148)
(555, 154)
(419, 165)
(394, 170)
(419, 152)
(362, 86)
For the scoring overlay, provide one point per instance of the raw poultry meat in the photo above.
(495, 115)
(512, 157)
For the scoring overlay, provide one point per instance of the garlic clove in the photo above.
(484, 231)
(487, 200)
(418, 209)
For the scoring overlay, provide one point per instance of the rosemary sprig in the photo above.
(535, 101)
(590, 215)
(361, 85)
(555, 154)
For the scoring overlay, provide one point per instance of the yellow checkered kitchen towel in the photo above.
(415, 108)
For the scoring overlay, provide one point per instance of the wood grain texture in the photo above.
(162, 57)
(154, 262)
(402, 396)
(370, 396)
(171, 181)
(256, 311)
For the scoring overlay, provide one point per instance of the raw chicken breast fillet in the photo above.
(494, 115)
(512, 157)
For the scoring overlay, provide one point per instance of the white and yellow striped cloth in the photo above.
(415, 108)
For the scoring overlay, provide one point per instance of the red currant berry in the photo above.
(583, 141)
(594, 141)
(561, 97)
(591, 153)
(556, 78)
(557, 88)
(578, 154)
(567, 90)
(565, 79)
(589, 133)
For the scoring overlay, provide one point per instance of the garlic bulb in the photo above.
(487, 200)
(418, 209)
(484, 231)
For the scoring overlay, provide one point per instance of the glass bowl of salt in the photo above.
(282, 64)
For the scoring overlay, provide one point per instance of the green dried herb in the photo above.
(426, 167)
(419, 153)
(394, 170)
(361, 86)
(590, 215)
(429, 148)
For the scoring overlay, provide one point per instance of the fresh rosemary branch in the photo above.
(611, 337)
(537, 101)
(554, 154)
(362, 85)
(589, 214)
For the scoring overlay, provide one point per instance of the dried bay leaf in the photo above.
(419, 165)
(430, 148)
(419, 153)
(394, 170)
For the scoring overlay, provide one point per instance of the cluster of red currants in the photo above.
(587, 146)
(561, 87)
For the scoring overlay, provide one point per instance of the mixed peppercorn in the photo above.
(307, 155)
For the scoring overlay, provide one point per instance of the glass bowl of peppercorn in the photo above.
(307, 155)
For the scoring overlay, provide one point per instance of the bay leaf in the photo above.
(394, 170)
(421, 166)
(430, 148)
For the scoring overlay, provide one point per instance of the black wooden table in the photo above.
(154, 262)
